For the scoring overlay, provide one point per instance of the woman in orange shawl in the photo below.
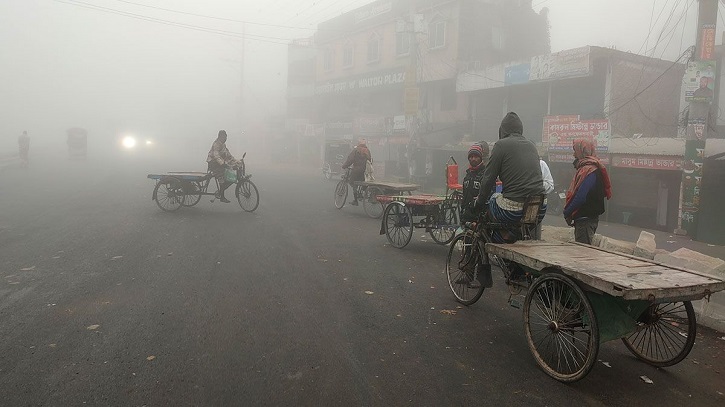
(585, 197)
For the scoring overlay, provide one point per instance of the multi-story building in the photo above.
(387, 71)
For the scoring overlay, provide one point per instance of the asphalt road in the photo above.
(107, 300)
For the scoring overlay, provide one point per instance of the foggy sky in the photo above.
(64, 65)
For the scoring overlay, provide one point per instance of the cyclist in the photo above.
(515, 161)
(358, 158)
(218, 159)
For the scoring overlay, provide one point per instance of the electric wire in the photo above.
(235, 34)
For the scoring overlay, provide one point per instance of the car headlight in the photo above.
(128, 142)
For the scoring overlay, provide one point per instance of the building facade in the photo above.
(387, 71)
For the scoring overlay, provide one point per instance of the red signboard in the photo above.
(561, 136)
(555, 122)
(648, 162)
(707, 50)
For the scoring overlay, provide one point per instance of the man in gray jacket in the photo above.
(515, 161)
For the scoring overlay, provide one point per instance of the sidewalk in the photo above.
(666, 241)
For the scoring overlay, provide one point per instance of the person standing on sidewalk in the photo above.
(585, 197)
(24, 147)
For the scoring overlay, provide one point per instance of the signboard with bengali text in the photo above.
(561, 131)
(648, 162)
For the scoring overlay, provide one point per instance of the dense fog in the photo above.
(122, 67)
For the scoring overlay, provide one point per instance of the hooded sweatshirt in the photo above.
(515, 161)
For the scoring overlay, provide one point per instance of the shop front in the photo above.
(645, 190)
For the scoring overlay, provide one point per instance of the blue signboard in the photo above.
(517, 74)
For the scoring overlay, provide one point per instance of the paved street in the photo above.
(107, 300)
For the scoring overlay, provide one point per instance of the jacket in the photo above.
(471, 187)
(515, 161)
(588, 202)
(357, 158)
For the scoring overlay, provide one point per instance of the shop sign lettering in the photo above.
(648, 162)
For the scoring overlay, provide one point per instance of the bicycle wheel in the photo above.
(247, 195)
(460, 269)
(446, 225)
(192, 193)
(398, 221)
(340, 194)
(561, 328)
(659, 339)
(169, 194)
(372, 206)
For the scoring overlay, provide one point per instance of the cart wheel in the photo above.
(398, 221)
(341, 194)
(327, 170)
(659, 339)
(192, 193)
(247, 195)
(169, 194)
(561, 328)
(460, 266)
(372, 206)
(446, 225)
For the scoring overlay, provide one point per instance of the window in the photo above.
(348, 56)
(374, 48)
(437, 34)
(329, 59)
(497, 37)
(402, 43)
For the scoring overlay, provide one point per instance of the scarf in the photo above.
(472, 168)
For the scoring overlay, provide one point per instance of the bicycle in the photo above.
(176, 189)
(467, 256)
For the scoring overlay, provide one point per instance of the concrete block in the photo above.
(645, 246)
(557, 234)
(597, 240)
(619, 246)
(692, 260)
(711, 313)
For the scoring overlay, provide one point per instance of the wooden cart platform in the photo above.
(416, 200)
(617, 274)
(389, 186)
(183, 175)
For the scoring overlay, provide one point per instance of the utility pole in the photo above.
(700, 83)
(411, 96)
(242, 113)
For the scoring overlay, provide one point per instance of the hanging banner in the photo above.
(707, 50)
(692, 183)
(699, 81)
